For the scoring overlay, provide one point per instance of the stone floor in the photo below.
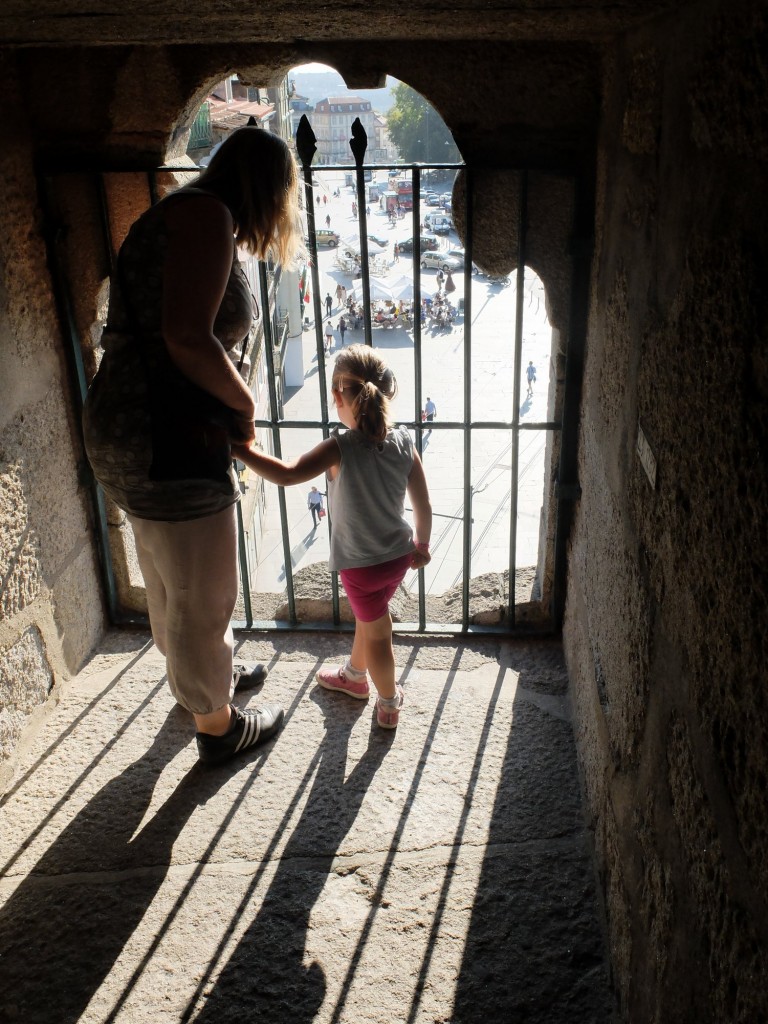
(440, 873)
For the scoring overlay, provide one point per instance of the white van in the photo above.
(438, 223)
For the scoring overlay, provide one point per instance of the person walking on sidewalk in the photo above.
(370, 467)
(530, 373)
(315, 504)
(328, 338)
(430, 411)
(342, 329)
(166, 404)
(328, 304)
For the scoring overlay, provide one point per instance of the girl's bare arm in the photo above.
(292, 471)
(418, 492)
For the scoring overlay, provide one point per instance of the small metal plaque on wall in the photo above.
(647, 458)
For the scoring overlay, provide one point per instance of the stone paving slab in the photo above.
(340, 874)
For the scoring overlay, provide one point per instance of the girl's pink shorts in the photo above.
(370, 587)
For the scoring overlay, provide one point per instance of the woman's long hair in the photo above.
(254, 173)
(360, 372)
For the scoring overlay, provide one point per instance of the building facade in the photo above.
(332, 124)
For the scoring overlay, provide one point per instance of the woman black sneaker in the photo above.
(247, 729)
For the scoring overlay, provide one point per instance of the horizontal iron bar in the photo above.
(450, 629)
(419, 424)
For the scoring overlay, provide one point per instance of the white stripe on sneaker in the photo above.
(250, 732)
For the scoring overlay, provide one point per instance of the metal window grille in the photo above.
(272, 335)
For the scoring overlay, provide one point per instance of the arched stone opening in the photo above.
(126, 194)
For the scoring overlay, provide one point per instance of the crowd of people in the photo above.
(438, 311)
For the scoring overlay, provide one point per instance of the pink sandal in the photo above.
(337, 679)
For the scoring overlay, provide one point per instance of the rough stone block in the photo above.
(20, 567)
(25, 681)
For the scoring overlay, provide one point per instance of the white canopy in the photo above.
(383, 291)
(379, 288)
(402, 287)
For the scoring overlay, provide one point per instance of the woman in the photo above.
(165, 403)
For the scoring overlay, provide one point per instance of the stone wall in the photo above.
(50, 604)
(666, 621)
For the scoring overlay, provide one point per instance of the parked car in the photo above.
(427, 242)
(379, 240)
(438, 223)
(457, 254)
(441, 261)
(325, 236)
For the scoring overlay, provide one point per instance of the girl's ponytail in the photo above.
(361, 372)
(370, 412)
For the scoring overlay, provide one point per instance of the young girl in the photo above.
(370, 466)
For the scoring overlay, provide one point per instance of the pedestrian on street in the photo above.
(430, 411)
(339, 292)
(325, 200)
(396, 252)
(370, 467)
(328, 338)
(342, 329)
(180, 300)
(328, 304)
(328, 221)
(343, 295)
(530, 373)
(440, 277)
(315, 504)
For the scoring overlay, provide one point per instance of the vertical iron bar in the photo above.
(417, 325)
(63, 301)
(416, 194)
(243, 559)
(522, 223)
(415, 222)
(468, 511)
(306, 148)
(277, 447)
(358, 144)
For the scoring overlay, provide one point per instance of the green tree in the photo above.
(418, 131)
